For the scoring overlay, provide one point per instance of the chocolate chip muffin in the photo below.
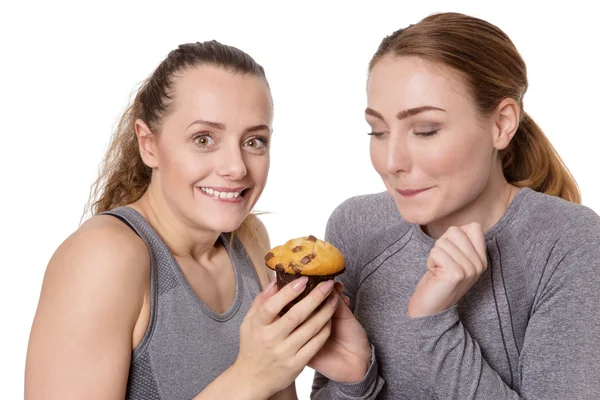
(305, 256)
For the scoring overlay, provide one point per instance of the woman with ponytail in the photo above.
(477, 274)
(163, 292)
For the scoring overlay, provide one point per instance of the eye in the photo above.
(204, 140)
(257, 142)
(376, 134)
(426, 129)
(427, 133)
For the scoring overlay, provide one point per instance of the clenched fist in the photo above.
(455, 263)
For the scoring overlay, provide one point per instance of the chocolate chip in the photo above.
(307, 259)
(269, 256)
(295, 267)
(311, 238)
(297, 249)
(279, 268)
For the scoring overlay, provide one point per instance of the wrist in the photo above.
(362, 367)
(419, 310)
(365, 363)
(245, 385)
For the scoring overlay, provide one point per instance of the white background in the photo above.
(67, 71)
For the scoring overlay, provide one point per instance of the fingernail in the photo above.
(300, 283)
(326, 287)
(270, 286)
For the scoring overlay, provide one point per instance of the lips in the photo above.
(410, 192)
(235, 195)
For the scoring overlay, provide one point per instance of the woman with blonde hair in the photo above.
(163, 292)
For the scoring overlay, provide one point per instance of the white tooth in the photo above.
(230, 195)
(223, 195)
(236, 194)
(216, 193)
(209, 191)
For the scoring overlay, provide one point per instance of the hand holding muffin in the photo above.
(345, 356)
(280, 345)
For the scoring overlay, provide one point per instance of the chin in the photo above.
(219, 217)
(225, 224)
(416, 219)
(415, 216)
(217, 220)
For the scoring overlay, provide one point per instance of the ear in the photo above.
(147, 143)
(506, 122)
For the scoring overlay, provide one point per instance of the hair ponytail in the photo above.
(531, 161)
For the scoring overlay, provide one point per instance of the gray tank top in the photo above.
(186, 345)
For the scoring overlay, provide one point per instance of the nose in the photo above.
(232, 164)
(398, 157)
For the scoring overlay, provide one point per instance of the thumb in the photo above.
(342, 311)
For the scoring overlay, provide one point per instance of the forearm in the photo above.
(366, 389)
(458, 368)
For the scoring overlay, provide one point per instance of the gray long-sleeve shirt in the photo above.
(528, 329)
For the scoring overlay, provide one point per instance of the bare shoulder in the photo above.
(255, 239)
(91, 298)
(103, 256)
(101, 240)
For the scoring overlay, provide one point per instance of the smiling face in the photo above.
(211, 157)
(432, 149)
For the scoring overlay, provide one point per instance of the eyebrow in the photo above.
(405, 113)
(221, 126)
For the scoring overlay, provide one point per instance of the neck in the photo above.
(486, 209)
(182, 236)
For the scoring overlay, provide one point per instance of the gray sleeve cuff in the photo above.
(434, 326)
(365, 389)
